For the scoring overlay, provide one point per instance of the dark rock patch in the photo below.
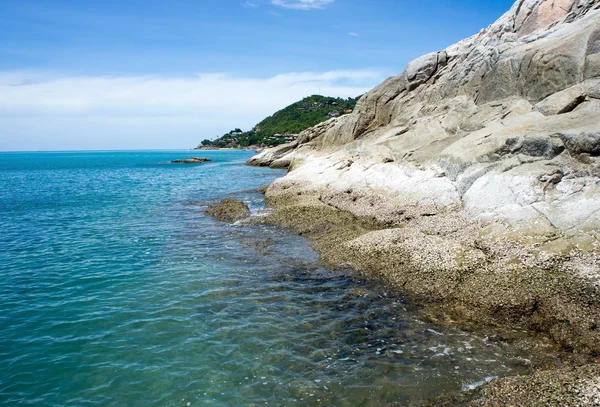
(581, 142)
(228, 210)
(193, 160)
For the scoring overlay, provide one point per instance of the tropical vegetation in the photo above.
(284, 125)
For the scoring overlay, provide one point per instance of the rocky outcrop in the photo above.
(228, 210)
(481, 126)
(276, 157)
(471, 179)
(281, 156)
(193, 160)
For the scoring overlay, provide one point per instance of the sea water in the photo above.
(117, 290)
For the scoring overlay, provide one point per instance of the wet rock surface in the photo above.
(462, 276)
(228, 210)
(193, 160)
(573, 386)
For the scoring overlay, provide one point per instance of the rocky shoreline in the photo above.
(470, 184)
(473, 292)
(473, 298)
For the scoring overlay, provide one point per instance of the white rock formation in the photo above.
(504, 125)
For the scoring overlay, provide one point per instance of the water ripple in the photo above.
(117, 290)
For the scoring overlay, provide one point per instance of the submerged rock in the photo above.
(228, 210)
(193, 160)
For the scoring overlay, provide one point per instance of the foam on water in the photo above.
(117, 290)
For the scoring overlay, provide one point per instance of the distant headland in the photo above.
(284, 125)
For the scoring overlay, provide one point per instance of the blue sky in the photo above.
(167, 74)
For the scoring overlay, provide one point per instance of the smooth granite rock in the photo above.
(471, 179)
(471, 115)
(273, 156)
(563, 101)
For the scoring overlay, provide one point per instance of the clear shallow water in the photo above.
(116, 290)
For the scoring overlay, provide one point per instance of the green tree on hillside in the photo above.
(292, 119)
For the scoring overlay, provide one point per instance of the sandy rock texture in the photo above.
(565, 387)
(472, 179)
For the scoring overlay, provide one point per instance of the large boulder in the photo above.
(421, 69)
(272, 157)
(582, 141)
(562, 102)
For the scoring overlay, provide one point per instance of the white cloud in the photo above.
(251, 4)
(353, 34)
(37, 110)
(302, 4)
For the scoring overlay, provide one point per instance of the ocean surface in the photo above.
(117, 290)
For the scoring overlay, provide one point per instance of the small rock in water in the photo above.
(193, 160)
(228, 210)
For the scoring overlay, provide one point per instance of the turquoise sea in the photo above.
(117, 290)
